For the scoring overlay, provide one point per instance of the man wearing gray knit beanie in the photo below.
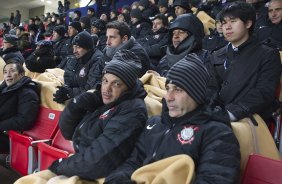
(183, 132)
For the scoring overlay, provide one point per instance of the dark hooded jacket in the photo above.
(212, 146)
(78, 75)
(103, 135)
(19, 105)
(140, 29)
(192, 44)
(12, 53)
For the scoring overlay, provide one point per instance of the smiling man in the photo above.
(247, 72)
(183, 128)
(19, 99)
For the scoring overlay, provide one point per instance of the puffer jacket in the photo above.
(19, 105)
(211, 144)
(104, 136)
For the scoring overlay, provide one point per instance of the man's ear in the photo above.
(124, 38)
(249, 23)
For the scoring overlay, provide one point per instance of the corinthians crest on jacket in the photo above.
(186, 136)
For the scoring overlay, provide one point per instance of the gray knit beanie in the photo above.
(125, 65)
(191, 75)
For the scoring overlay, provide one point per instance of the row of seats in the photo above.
(37, 148)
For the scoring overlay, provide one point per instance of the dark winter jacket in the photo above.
(248, 85)
(214, 42)
(60, 51)
(12, 53)
(102, 40)
(270, 34)
(19, 105)
(140, 29)
(211, 144)
(131, 45)
(78, 75)
(154, 45)
(41, 59)
(103, 137)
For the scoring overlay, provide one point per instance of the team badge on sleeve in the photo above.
(186, 136)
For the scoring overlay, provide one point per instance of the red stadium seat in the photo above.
(60, 148)
(262, 170)
(23, 146)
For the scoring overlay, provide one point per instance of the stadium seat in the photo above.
(23, 146)
(262, 170)
(59, 148)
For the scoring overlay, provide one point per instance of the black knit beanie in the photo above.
(60, 30)
(76, 25)
(136, 13)
(191, 75)
(125, 65)
(84, 40)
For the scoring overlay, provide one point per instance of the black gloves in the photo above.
(53, 167)
(62, 94)
(88, 101)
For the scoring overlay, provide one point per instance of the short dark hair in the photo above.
(91, 9)
(19, 66)
(161, 17)
(242, 10)
(122, 27)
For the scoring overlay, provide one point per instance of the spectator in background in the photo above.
(17, 19)
(98, 27)
(85, 24)
(78, 77)
(91, 14)
(163, 9)
(10, 49)
(113, 15)
(42, 58)
(32, 29)
(23, 41)
(61, 8)
(216, 39)
(12, 17)
(270, 32)
(19, 99)
(185, 37)
(126, 9)
(124, 17)
(58, 38)
(147, 9)
(156, 42)
(181, 7)
(12, 29)
(66, 5)
(77, 15)
(104, 17)
(140, 27)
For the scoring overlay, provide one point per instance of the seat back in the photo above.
(61, 143)
(47, 154)
(254, 139)
(23, 146)
(262, 170)
(46, 124)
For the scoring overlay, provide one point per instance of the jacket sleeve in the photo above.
(110, 148)
(262, 95)
(220, 156)
(76, 109)
(27, 110)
